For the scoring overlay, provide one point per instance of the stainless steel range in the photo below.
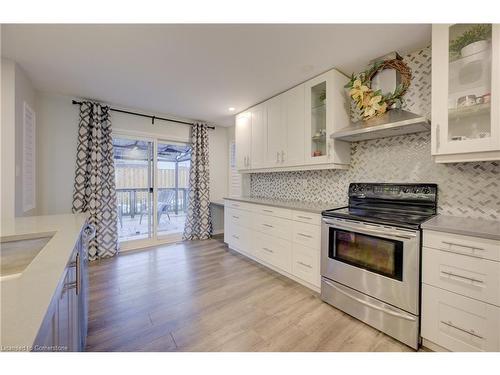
(370, 255)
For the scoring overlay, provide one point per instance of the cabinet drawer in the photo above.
(465, 245)
(275, 251)
(306, 217)
(459, 323)
(472, 277)
(240, 217)
(273, 211)
(238, 205)
(274, 226)
(305, 264)
(307, 235)
(240, 239)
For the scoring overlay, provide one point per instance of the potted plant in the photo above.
(474, 40)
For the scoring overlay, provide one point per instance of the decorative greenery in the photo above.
(474, 34)
(322, 96)
(374, 103)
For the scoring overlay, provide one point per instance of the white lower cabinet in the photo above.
(285, 240)
(275, 251)
(305, 263)
(459, 323)
(460, 292)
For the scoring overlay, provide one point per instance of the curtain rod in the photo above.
(153, 118)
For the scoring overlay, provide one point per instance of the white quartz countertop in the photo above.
(292, 205)
(25, 300)
(468, 227)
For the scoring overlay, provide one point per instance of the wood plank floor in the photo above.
(201, 296)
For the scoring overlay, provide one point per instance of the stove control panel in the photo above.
(418, 192)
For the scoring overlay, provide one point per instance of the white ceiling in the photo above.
(195, 71)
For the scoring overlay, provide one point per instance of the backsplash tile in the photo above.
(465, 189)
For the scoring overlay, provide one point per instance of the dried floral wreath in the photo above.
(374, 103)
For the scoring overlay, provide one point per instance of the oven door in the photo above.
(380, 261)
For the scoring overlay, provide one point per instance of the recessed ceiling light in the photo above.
(231, 109)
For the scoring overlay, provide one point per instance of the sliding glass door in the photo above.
(173, 161)
(152, 180)
(134, 188)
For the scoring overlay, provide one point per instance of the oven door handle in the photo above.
(366, 229)
(371, 305)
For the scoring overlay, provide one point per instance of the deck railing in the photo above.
(131, 202)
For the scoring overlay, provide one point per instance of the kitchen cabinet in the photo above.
(291, 130)
(276, 132)
(294, 123)
(285, 240)
(65, 325)
(325, 112)
(465, 93)
(460, 292)
(258, 124)
(243, 138)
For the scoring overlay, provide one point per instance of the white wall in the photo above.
(7, 139)
(57, 135)
(24, 92)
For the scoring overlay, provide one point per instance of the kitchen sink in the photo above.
(17, 252)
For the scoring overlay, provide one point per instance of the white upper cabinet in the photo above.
(465, 92)
(243, 138)
(276, 131)
(294, 119)
(291, 131)
(325, 111)
(259, 135)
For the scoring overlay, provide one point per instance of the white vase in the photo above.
(474, 48)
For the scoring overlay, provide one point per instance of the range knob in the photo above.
(406, 190)
(426, 190)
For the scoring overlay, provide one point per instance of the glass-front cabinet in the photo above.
(325, 111)
(465, 92)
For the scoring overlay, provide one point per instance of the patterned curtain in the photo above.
(198, 222)
(94, 188)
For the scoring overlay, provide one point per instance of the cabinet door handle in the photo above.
(277, 157)
(235, 236)
(271, 211)
(437, 138)
(451, 274)
(461, 245)
(282, 156)
(469, 331)
(77, 273)
(268, 250)
(304, 235)
(236, 217)
(304, 217)
(71, 285)
(305, 264)
(268, 225)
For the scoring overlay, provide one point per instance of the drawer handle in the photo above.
(271, 211)
(236, 217)
(470, 332)
(268, 225)
(461, 245)
(462, 277)
(304, 217)
(235, 236)
(305, 264)
(304, 235)
(268, 250)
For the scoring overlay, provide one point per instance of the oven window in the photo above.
(375, 254)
